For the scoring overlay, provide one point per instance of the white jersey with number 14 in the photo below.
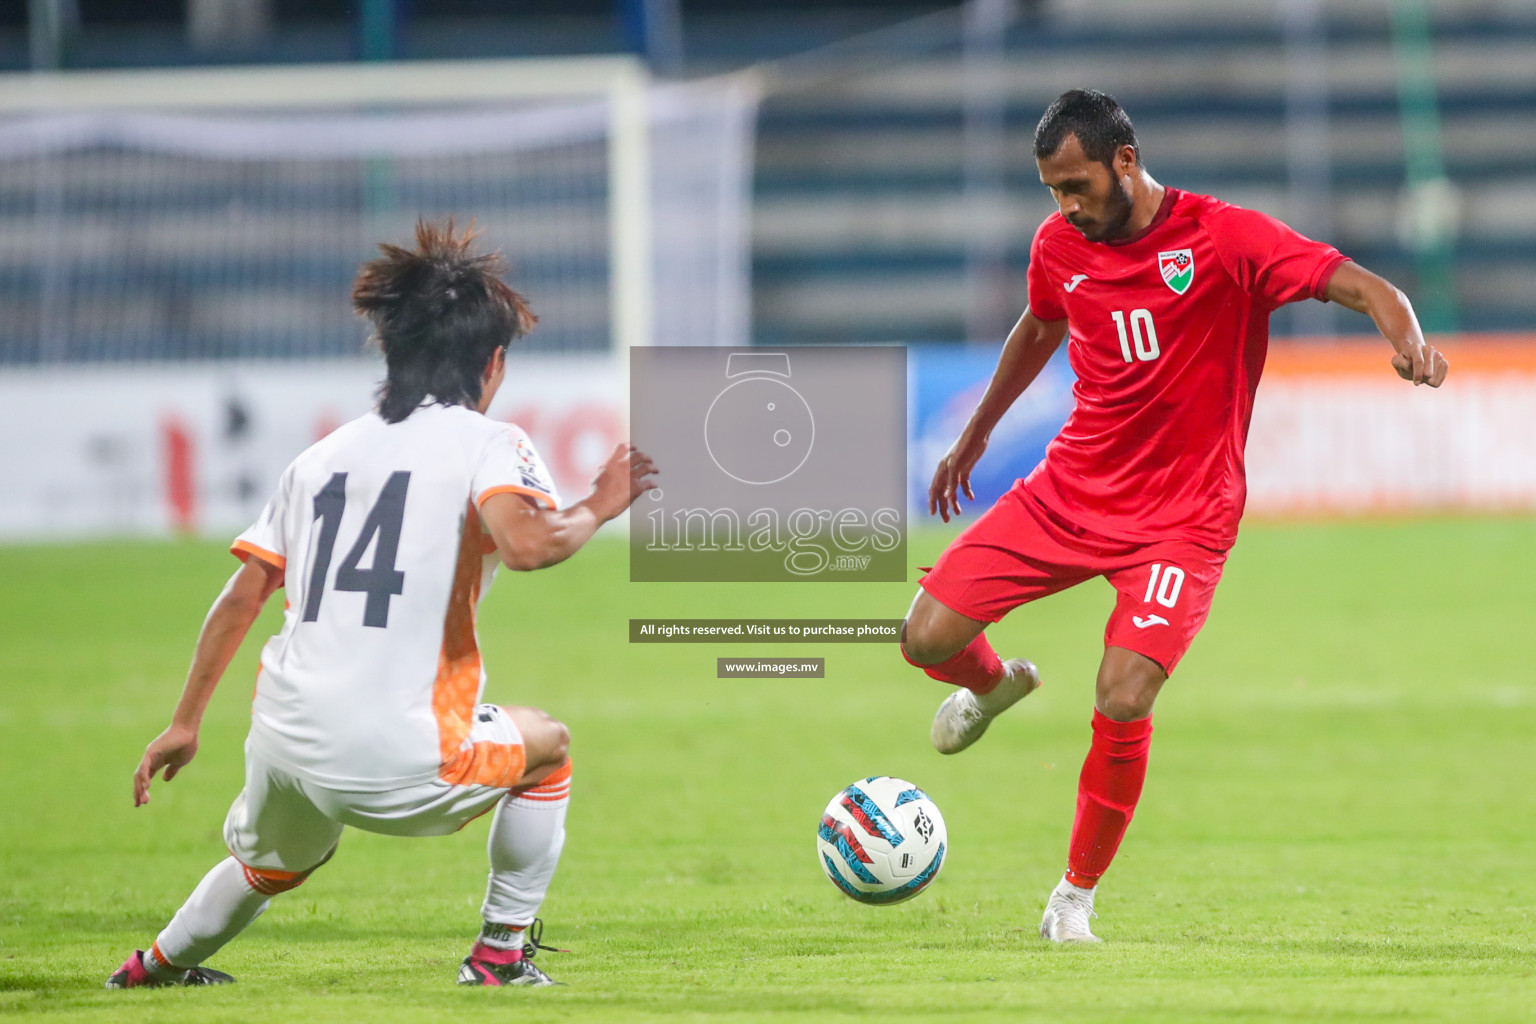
(372, 682)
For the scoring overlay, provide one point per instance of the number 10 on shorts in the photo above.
(1164, 585)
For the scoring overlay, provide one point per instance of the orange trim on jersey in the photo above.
(528, 492)
(1371, 357)
(243, 549)
(457, 685)
(485, 764)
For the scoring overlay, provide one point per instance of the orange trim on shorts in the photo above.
(269, 882)
(457, 685)
(527, 492)
(477, 817)
(243, 549)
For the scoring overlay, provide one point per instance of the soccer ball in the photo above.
(881, 841)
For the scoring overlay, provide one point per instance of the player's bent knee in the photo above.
(921, 653)
(921, 644)
(559, 746)
(927, 646)
(1128, 685)
(1128, 699)
(546, 740)
(933, 633)
(1126, 708)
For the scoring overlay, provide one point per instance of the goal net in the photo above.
(217, 215)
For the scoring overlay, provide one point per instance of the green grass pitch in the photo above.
(1339, 822)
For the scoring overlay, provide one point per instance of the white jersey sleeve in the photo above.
(265, 539)
(510, 465)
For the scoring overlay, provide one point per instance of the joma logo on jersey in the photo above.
(1178, 269)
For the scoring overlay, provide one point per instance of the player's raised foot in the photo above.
(964, 715)
(488, 966)
(1067, 913)
(133, 974)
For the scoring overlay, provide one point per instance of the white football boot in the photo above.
(964, 715)
(1067, 913)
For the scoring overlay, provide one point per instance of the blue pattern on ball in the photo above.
(868, 814)
(897, 895)
(851, 858)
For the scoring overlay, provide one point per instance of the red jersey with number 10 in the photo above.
(1167, 335)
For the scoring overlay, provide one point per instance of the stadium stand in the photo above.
(860, 225)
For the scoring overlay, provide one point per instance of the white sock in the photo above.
(1066, 888)
(1001, 697)
(501, 936)
(218, 909)
(527, 835)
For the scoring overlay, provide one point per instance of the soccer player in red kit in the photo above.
(1164, 297)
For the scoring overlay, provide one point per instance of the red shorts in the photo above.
(1019, 550)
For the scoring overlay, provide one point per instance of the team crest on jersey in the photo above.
(1178, 269)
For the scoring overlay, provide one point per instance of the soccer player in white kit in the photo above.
(386, 534)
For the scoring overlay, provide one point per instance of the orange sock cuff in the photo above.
(556, 786)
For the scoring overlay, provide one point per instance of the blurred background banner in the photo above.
(947, 382)
(188, 447)
(188, 186)
(1334, 431)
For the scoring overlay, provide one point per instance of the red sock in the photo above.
(977, 667)
(1107, 792)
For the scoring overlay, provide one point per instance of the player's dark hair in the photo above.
(1100, 124)
(439, 312)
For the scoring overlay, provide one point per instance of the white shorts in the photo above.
(284, 823)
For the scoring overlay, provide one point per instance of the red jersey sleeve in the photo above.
(1269, 259)
(1045, 299)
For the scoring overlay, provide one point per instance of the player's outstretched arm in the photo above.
(1414, 358)
(532, 538)
(1029, 347)
(228, 621)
